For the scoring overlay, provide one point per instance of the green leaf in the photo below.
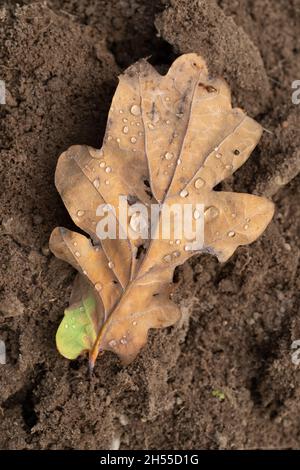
(80, 326)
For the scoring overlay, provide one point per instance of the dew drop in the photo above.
(133, 140)
(231, 233)
(199, 183)
(84, 272)
(167, 258)
(196, 214)
(135, 110)
(66, 326)
(168, 156)
(80, 213)
(228, 167)
(246, 226)
(96, 153)
(168, 121)
(187, 248)
(123, 340)
(121, 111)
(125, 120)
(134, 323)
(96, 183)
(236, 152)
(167, 98)
(109, 137)
(102, 164)
(77, 254)
(112, 343)
(106, 182)
(233, 215)
(176, 254)
(98, 286)
(248, 220)
(218, 155)
(75, 243)
(108, 169)
(111, 265)
(177, 242)
(125, 130)
(178, 161)
(151, 126)
(184, 193)
(211, 212)
(118, 140)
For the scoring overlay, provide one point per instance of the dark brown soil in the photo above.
(60, 63)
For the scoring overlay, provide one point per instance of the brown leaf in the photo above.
(169, 140)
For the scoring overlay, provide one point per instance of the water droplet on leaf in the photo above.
(168, 156)
(211, 212)
(199, 183)
(135, 110)
(184, 193)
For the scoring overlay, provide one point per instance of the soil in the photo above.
(223, 378)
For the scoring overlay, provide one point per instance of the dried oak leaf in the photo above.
(169, 139)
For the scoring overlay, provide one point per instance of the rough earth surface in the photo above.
(223, 378)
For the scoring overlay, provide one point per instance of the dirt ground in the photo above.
(221, 379)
